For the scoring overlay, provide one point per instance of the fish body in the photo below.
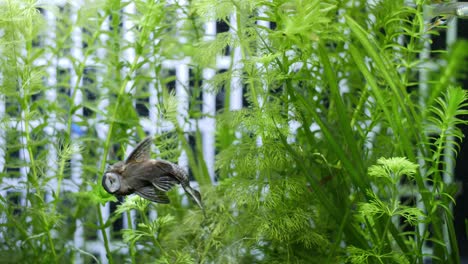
(148, 178)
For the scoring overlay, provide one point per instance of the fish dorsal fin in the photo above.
(141, 151)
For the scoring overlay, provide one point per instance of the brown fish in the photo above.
(149, 178)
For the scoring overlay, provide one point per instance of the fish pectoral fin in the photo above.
(164, 183)
(152, 194)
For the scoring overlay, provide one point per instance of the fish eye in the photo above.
(111, 177)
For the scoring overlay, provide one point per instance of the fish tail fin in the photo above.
(182, 176)
(193, 193)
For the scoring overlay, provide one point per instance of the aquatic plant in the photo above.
(326, 146)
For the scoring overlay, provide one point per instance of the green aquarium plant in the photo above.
(341, 149)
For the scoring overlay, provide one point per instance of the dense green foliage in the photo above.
(336, 130)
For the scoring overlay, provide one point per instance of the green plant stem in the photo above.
(411, 46)
(148, 224)
(104, 234)
(392, 113)
(103, 165)
(104, 161)
(59, 181)
(339, 235)
(362, 101)
(26, 113)
(438, 181)
(380, 260)
(384, 238)
(79, 72)
(132, 245)
(107, 144)
(245, 51)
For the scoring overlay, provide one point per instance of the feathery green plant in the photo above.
(335, 157)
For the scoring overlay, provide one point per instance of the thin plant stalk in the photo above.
(107, 144)
(26, 127)
(132, 245)
(147, 222)
(80, 72)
